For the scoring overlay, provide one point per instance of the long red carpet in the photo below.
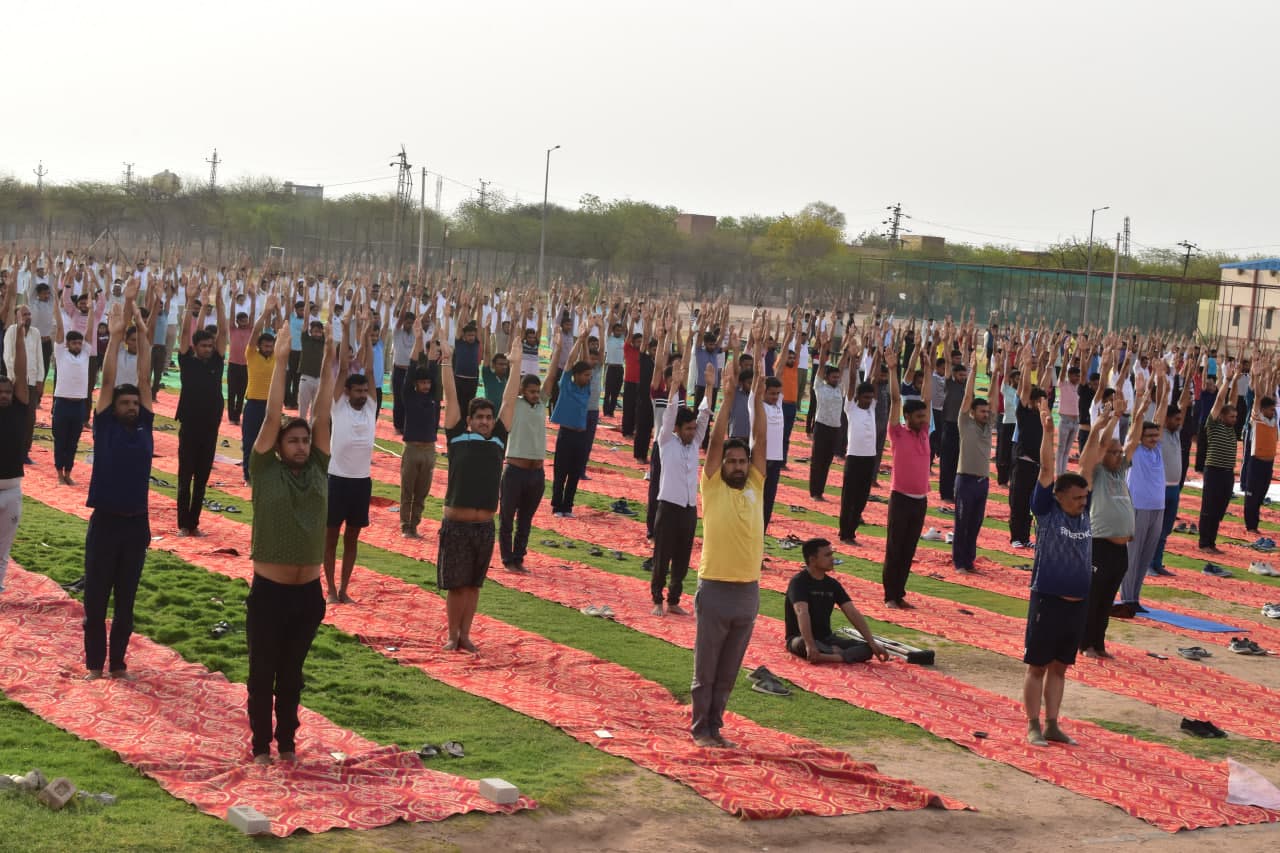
(186, 728)
(1183, 687)
(1105, 766)
(772, 774)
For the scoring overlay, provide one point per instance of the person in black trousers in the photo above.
(909, 498)
(572, 440)
(1026, 452)
(679, 438)
(1220, 462)
(286, 602)
(119, 534)
(201, 357)
(644, 405)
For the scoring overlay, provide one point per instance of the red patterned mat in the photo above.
(772, 774)
(1158, 784)
(1113, 768)
(186, 728)
(1187, 688)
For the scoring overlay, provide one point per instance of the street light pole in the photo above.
(1088, 266)
(542, 241)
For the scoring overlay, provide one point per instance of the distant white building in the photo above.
(315, 191)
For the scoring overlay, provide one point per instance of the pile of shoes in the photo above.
(764, 681)
(1245, 646)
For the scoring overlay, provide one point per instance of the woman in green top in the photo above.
(289, 464)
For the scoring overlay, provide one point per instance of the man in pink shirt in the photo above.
(908, 500)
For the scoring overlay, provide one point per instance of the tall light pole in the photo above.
(1088, 265)
(542, 241)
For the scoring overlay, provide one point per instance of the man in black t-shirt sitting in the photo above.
(811, 596)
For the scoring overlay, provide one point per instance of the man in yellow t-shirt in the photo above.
(260, 360)
(728, 596)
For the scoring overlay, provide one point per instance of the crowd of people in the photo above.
(709, 402)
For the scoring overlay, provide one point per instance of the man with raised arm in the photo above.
(115, 545)
(728, 596)
(286, 603)
(524, 476)
(71, 391)
(419, 399)
(354, 418)
(15, 401)
(259, 359)
(1060, 579)
(909, 495)
(973, 471)
(477, 444)
(1220, 462)
(200, 363)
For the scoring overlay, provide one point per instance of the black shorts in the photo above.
(466, 547)
(349, 501)
(1054, 629)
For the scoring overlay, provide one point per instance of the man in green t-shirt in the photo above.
(286, 605)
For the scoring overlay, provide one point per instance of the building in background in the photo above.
(695, 224)
(1246, 308)
(315, 191)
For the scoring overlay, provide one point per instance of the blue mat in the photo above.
(1190, 622)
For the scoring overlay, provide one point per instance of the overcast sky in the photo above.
(990, 121)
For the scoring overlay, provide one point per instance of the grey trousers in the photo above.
(1142, 548)
(1067, 428)
(308, 388)
(726, 615)
(10, 517)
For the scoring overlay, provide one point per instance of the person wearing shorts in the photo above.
(1060, 579)
(477, 445)
(350, 483)
(812, 595)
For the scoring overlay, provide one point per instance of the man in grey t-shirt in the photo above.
(973, 471)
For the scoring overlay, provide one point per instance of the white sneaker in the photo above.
(1017, 544)
(932, 535)
(1258, 567)
(646, 476)
(1271, 611)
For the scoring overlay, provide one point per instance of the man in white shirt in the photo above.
(35, 367)
(773, 437)
(860, 467)
(354, 420)
(70, 397)
(677, 516)
(827, 433)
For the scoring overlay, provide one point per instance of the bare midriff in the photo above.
(467, 514)
(527, 464)
(288, 574)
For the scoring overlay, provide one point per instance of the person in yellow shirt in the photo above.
(260, 360)
(728, 596)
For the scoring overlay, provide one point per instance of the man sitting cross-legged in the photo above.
(811, 597)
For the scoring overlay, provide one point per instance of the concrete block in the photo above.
(500, 791)
(248, 820)
(57, 793)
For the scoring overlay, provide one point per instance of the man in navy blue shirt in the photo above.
(1060, 581)
(119, 534)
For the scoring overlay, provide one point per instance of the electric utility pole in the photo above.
(213, 170)
(483, 186)
(1186, 260)
(128, 177)
(40, 171)
(895, 224)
